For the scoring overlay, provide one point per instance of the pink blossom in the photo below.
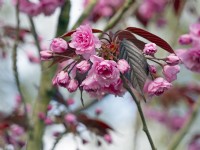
(107, 138)
(152, 69)
(63, 79)
(48, 121)
(84, 41)
(106, 71)
(46, 55)
(123, 66)
(103, 77)
(90, 84)
(83, 66)
(30, 8)
(195, 29)
(176, 122)
(49, 107)
(194, 143)
(191, 59)
(73, 85)
(172, 59)
(41, 115)
(70, 118)
(150, 49)
(58, 45)
(32, 58)
(146, 10)
(17, 130)
(98, 111)
(1, 2)
(185, 39)
(48, 6)
(157, 87)
(70, 101)
(170, 72)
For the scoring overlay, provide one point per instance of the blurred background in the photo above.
(165, 115)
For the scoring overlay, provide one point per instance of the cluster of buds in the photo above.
(85, 66)
(191, 57)
(170, 71)
(47, 7)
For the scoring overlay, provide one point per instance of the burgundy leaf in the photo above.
(124, 34)
(151, 37)
(95, 125)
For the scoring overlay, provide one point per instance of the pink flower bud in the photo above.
(150, 49)
(59, 45)
(46, 55)
(72, 86)
(170, 72)
(172, 59)
(98, 111)
(32, 58)
(63, 79)
(185, 39)
(108, 138)
(48, 121)
(49, 107)
(123, 66)
(17, 130)
(157, 87)
(41, 115)
(70, 101)
(70, 118)
(83, 66)
(56, 134)
(152, 69)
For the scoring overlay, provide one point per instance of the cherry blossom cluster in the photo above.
(190, 57)
(47, 7)
(104, 8)
(170, 69)
(87, 63)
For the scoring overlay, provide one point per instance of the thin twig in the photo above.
(119, 14)
(58, 140)
(85, 13)
(35, 35)
(14, 57)
(178, 137)
(137, 102)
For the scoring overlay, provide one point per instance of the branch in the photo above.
(85, 13)
(178, 137)
(33, 30)
(145, 128)
(44, 96)
(14, 57)
(119, 14)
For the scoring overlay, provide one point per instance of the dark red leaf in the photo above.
(124, 34)
(151, 37)
(100, 127)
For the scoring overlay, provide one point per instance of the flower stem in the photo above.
(15, 68)
(178, 137)
(138, 104)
